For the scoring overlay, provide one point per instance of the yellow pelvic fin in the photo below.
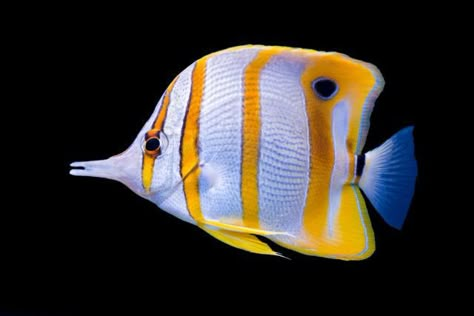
(242, 241)
(242, 229)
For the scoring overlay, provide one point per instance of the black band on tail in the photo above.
(360, 164)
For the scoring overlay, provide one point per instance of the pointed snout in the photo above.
(125, 168)
(107, 168)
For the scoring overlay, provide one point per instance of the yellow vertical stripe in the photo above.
(190, 170)
(160, 118)
(148, 162)
(321, 158)
(147, 171)
(251, 136)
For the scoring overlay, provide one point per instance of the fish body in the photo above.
(267, 141)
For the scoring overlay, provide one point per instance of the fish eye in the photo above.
(155, 143)
(152, 145)
(325, 88)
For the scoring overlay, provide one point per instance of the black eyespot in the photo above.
(325, 88)
(152, 145)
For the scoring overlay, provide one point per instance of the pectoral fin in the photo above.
(242, 241)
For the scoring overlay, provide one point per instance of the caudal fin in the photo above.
(388, 177)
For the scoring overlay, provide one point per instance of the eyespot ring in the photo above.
(325, 88)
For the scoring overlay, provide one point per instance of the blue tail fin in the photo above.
(388, 177)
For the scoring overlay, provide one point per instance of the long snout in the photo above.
(107, 168)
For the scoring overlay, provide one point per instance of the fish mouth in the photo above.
(76, 168)
(95, 168)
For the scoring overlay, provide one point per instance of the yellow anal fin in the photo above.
(350, 236)
(353, 237)
(242, 229)
(242, 241)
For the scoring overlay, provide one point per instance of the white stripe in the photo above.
(284, 149)
(220, 134)
(340, 128)
(366, 237)
(167, 166)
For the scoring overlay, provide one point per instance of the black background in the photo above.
(81, 244)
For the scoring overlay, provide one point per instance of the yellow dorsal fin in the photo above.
(241, 229)
(242, 241)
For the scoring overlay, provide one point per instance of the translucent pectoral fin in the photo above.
(242, 241)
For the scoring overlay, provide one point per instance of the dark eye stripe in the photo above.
(148, 159)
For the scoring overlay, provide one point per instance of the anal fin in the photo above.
(351, 236)
(242, 241)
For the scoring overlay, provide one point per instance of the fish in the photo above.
(264, 143)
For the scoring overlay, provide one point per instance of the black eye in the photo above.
(325, 88)
(152, 145)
